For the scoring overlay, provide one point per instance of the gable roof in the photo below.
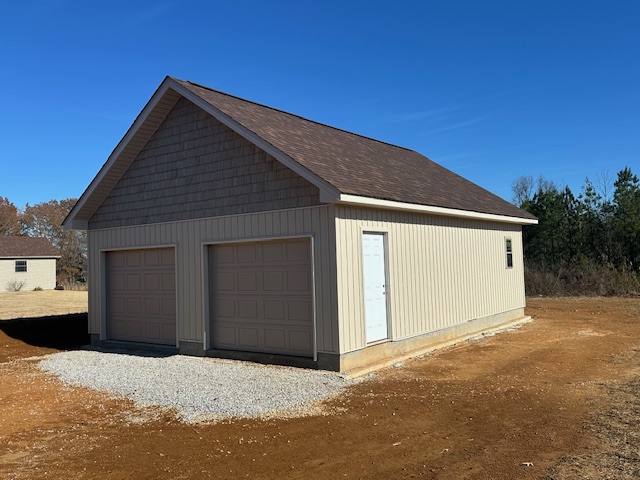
(346, 167)
(11, 247)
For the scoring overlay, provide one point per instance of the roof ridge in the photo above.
(297, 116)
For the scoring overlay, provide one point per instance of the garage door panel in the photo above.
(117, 259)
(248, 309)
(246, 253)
(272, 252)
(274, 309)
(273, 281)
(285, 339)
(152, 306)
(225, 281)
(169, 333)
(297, 251)
(275, 338)
(247, 281)
(152, 331)
(152, 281)
(133, 306)
(141, 305)
(248, 337)
(299, 310)
(118, 328)
(118, 305)
(118, 282)
(225, 336)
(168, 257)
(260, 298)
(169, 282)
(133, 328)
(169, 307)
(133, 282)
(151, 258)
(225, 308)
(260, 323)
(298, 281)
(300, 340)
(223, 254)
(133, 258)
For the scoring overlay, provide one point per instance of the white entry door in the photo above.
(375, 298)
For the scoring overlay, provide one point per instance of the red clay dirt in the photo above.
(558, 398)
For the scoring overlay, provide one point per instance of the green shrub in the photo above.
(37, 289)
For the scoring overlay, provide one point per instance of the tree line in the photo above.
(45, 220)
(585, 244)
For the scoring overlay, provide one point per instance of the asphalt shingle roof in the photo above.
(355, 164)
(27, 247)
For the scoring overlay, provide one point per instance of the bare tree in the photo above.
(9, 218)
(523, 189)
(604, 185)
(45, 220)
(546, 186)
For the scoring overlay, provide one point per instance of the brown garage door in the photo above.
(260, 297)
(141, 296)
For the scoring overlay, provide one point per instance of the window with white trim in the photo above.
(509, 251)
(21, 266)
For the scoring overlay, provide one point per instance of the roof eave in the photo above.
(44, 257)
(76, 221)
(356, 200)
(75, 224)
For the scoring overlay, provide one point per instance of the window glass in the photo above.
(509, 253)
(21, 265)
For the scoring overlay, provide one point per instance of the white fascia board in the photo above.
(413, 207)
(70, 223)
(327, 190)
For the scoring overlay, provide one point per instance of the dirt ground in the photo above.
(558, 398)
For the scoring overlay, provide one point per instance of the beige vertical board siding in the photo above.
(442, 271)
(189, 236)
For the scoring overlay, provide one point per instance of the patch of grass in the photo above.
(29, 304)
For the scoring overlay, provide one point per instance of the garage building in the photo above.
(222, 227)
(27, 263)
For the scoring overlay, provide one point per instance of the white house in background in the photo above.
(27, 263)
(222, 227)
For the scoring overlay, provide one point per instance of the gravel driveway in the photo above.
(199, 389)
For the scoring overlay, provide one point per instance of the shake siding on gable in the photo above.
(195, 167)
(442, 272)
(190, 239)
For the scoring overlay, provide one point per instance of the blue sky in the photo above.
(491, 90)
